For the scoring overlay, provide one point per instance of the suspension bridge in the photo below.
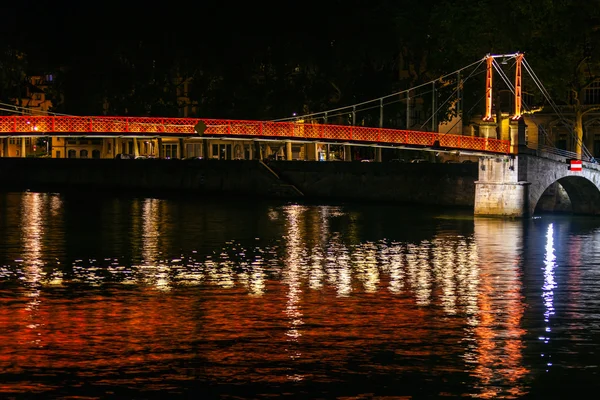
(515, 168)
(314, 127)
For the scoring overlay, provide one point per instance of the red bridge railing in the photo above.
(151, 126)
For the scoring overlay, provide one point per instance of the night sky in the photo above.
(58, 32)
(267, 60)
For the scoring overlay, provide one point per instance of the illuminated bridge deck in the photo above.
(102, 126)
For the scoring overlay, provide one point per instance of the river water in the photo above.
(116, 296)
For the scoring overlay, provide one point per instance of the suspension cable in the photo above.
(452, 94)
(557, 111)
(304, 116)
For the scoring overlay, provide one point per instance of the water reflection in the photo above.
(293, 266)
(281, 295)
(32, 233)
(496, 327)
(155, 272)
(548, 288)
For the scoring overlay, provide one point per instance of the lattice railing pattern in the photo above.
(150, 126)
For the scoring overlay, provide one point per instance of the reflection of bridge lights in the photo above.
(337, 267)
(252, 277)
(294, 241)
(293, 271)
(419, 272)
(444, 269)
(221, 273)
(394, 258)
(366, 266)
(150, 230)
(32, 228)
(315, 273)
(155, 272)
(32, 231)
(257, 281)
(494, 336)
(549, 283)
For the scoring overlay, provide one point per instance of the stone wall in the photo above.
(423, 183)
(500, 189)
(434, 184)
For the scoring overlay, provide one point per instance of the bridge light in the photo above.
(575, 165)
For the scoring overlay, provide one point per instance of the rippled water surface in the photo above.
(130, 297)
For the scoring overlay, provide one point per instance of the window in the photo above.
(96, 153)
(83, 153)
(170, 150)
(192, 150)
(225, 152)
(72, 154)
(592, 93)
(561, 143)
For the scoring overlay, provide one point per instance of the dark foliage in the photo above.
(263, 62)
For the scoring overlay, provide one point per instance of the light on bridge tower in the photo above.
(487, 127)
(517, 125)
(518, 99)
(488, 89)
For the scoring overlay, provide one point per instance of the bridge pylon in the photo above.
(502, 189)
(488, 125)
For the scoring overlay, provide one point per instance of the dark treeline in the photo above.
(263, 62)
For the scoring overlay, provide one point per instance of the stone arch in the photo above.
(95, 153)
(583, 190)
(513, 186)
(83, 153)
(72, 153)
(583, 193)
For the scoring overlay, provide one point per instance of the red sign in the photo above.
(575, 165)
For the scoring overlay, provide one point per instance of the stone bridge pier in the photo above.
(511, 186)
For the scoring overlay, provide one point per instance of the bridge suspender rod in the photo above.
(488, 89)
(458, 95)
(433, 110)
(408, 109)
(381, 113)
(518, 99)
